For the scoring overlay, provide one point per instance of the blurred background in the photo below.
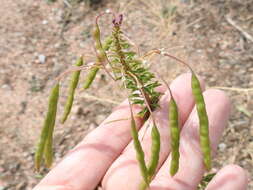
(40, 39)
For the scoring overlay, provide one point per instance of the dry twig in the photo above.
(244, 33)
(103, 100)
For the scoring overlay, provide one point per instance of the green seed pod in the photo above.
(48, 152)
(71, 93)
(96, 32)
(175, 136)
(47, 127)
(155, 150)
(90, 77)
(101, 55)
(140, 156)
(203, 121)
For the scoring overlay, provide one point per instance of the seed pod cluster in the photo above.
(147, 172)
(125, 64)
(201, 111)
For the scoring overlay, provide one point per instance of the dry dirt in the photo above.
(200, 32)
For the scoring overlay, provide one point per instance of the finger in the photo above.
(84, 166)
(229, 177)
(53, 187)
(126, 164)
(191, 166)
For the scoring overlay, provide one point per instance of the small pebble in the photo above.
(92, 126)
(99, 119)
(44, 22)
(222, 146)
(57, 45)
(82, 45)
(6, 87)
(42, 59)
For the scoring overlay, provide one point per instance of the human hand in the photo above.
(107, 153)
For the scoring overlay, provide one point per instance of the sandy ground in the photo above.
(39, 40)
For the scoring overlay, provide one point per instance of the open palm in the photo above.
(107, 153)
